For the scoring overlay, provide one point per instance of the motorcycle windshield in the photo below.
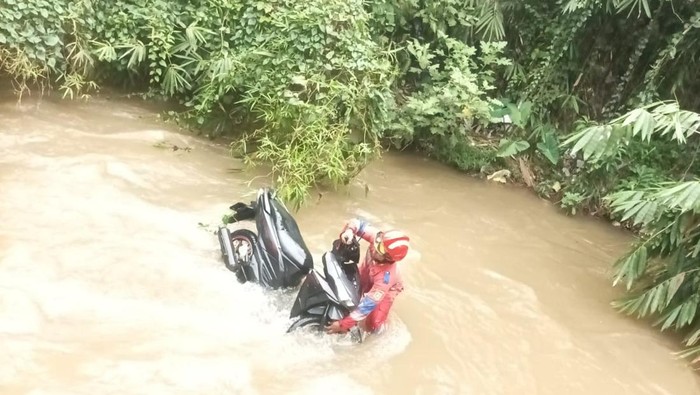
(289, 259)
(346, 288)
(313, 293)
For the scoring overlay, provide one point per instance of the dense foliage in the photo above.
(294, 79)
(662, 271)
(580, 99)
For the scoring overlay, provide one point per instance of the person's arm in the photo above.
(359, 228)
(368, 303)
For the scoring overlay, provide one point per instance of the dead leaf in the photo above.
(528, 177)
(556, 187)
(499, 176)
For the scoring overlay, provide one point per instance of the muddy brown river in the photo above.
(111, 280)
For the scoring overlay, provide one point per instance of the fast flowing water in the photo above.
(111, 280)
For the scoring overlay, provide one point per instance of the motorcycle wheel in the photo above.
(242, 238)
(313, 323)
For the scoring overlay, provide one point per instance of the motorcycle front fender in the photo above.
(314, 292)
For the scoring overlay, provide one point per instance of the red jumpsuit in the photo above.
(379, 282)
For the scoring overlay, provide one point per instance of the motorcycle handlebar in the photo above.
(347, 253)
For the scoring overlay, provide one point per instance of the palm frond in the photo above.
(490, 24)
(684, 196)
(662, 118)
(640, 5)
(631, 268)
(645, 206)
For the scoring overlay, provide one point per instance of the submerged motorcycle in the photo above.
(332, 296)
(275, 257)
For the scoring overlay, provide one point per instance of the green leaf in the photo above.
(51, 40)
(663, 118)
(674, 284)
(514, 114)
(299, 80)
(693, 338)
(688, 311)
(659, 296)
(631, 209)
(696, 250)
(646, 213)
(581, 138)
(685, 196)
(632, 266)
(670, 318)
(647, 299)
(549, 147)
(644, 124)
(647, 10)
(510, 148)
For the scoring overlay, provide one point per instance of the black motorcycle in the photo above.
(275, 257)
(332, 296)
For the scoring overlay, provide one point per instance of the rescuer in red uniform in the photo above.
(380, 281)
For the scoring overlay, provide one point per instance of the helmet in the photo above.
(396, 244)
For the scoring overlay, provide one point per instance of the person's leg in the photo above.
(375, 320)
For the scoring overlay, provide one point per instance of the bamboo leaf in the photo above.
(646, 214)
(624, 197)
(582, 138)
(601, 141)
(689, 353)
(696, 250)
(630, 203)
(657, 303)
(674, 284)
(693, 338)
(634, 209)
(687, 314)
(642, 258)
(632, 266)
(679, 133)
(632, 116)
(644, 125)
(597, 143)
(685, 195)
(646, 305)
(669, 318)
(490, 23)
(690, 122)
(631, 305)
(647, 10)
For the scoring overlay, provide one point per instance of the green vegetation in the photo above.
(662, 271)
(580, 99)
